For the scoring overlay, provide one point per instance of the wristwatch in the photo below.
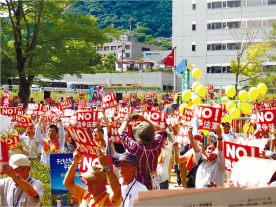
(16, 177)
(107, 168)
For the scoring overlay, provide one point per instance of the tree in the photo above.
(109, 62)
(249, 55)
(47, 42)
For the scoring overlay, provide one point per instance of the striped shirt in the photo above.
(147, 161)
(12, 194)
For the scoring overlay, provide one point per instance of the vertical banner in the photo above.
(4, 155)
(91, 90)
(5, 98)
(100, 90)
(185, 79)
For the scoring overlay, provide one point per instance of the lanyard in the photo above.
(128, 193)
(18, 196)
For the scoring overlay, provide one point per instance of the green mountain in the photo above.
(156, 15)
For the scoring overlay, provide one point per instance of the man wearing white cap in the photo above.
(20, 189)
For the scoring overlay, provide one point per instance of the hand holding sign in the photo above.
(103, 158)
(77, 155)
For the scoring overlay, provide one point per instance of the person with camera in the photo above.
(147, 145)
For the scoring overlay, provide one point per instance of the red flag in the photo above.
(170, 59)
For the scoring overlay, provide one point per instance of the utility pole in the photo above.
(123, 46)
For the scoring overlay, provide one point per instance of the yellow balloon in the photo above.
(182, 107)
(230, 105)
(186, 95)
(246, 108)
(262, 88)
(196, 100)
(239, 105)
(225, 98)
(200, 90)
(192, 107)
(253, 93)
(196, 72)
(234, 113)
(245, 127)
(204, 131)
(243, 95)
(230, 91)
(195, 84)
(226, 118)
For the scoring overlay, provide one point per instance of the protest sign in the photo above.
(222, 91)
(253, 172)
(115, 136)
(133, 95)
(268, 105)
(9, 111)
(209, 88)
(167, 103)
(222, 107)
(109, 100)
(83, 140)
(123, 111)
(59, 165)
(5, 98)
(255, 107)
(155, 108)
(12, 140)
(251, 142)
(88, 161)
(23, 121)
(171, 121)
(87, 119)
(69, 112)
(126, 100)
(153, 95)
(182, 135)
(34, 109)
(208, 118)
(65, 104)
(188, 114)
(233, 152)
(265, 120)
(143, 107)
(147, 97)
(4, 155)
(158, 117)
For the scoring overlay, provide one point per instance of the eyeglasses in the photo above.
(125, 165)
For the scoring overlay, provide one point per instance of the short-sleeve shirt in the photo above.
(8, 186)
(102, 199)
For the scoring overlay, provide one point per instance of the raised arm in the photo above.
(154, 125)
(220, 142)
(248, 129)
(69, 180)
(105, 120)
(113, 181)
(192, 140)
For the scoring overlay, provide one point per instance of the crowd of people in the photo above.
(142, 161)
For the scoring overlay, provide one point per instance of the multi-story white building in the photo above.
(207, 32)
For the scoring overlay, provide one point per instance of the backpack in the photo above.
(191, 177)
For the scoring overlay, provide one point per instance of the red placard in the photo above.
(81, 94)
(253, 172)
(123, 111)
(182, 135)
(147, 97)
(23, 121)
(191, 88)
(87, 119)
(171, 95)
(65, 104)
(222, 91)
(188, 114)
(143, 107)
(167, 103)
(115, 136)
(126, 100)
(268, 105)
(171, 121)
(208, 118)
(158, 117)
(210, 88)
(9, 111)
(88, 161)
(5, 98)
(265, 120)
(133, 95)
(34, 108)
(109, 100)
(233, 152)
(274, 100)
(20, 105)
(4, 155)
(251, 142)
(153, 94)
(222, 107)
(155, 108)
(84, 140)
(49, 100)
(13, 140)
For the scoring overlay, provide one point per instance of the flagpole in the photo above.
(174, 73)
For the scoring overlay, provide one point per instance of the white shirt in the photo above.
(7, 186)
(228, 137)
(133, 193)
(163, 168)
(32, 144)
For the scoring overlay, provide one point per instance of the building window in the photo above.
(193, 47)
(194, 6)
(113, 47)
(106, 48)
(127, 47)
(145, 49)
(216, 69)
(232, 25)
(127, 55)
(217, 25)
(209, 5)
(99, 49)
(193, 25)
(224, 4)
(270, 2)
(208, 69)
(232, 4)
(120, 47)
(216, 46)
(209, 26)
(254, 3)
(216, 5)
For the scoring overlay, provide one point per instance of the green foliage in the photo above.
(109, 63)
(156, 15)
